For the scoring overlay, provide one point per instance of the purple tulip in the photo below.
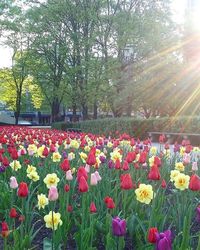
(2, 169)
(163, 240)
(176, 148)
(111, 164)
(102, 159)
(64, 155)
(198, 214)
(118, 227)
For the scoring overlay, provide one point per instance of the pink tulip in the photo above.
(13, 183)
(53, 194)
(194, 166)
(87, 168)
(97, 176)
(93, 180)
(69, 176)
(186, 159)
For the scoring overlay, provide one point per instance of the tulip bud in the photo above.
(23, 190)
(13, 182)
(69, 208)
(87, 168)
(67, 188)
(93, 208)
(97, 176)
(69, 176)
(53, 193)
(152, 234)
(4, 229)
(13, 213)
(194, 166)
(93, 180)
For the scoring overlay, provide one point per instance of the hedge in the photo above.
(135, 127)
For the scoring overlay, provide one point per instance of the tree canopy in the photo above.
(119, 56)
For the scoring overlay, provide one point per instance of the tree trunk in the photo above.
(18, 108)
(74, 115)
(85, 111)
(55, 108)
(95, 112)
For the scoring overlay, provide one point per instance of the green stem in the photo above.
(5, 243)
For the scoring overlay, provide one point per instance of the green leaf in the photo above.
(47, 245)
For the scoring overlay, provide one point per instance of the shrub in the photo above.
(135, 127)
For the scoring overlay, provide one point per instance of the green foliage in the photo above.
(135, 127)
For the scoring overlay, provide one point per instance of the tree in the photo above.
(10, 91)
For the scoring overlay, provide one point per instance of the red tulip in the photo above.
(82, 172)
(13, 213)
(5, 162)
(23, 190)
(83, 186)
(130, 157)
(154, 173)
(163, 184)
(125, 166)
(143, 157)
(117, 164)
(194, 183)
(45, 152)
(152, 234)
(126, 182)
(4, 229)
(69, 208)
(14, 154)
(67, 188)
(109, 202)
(93, 208)
(91, 159)
(65, 165)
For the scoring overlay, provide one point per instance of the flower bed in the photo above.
(64, 190)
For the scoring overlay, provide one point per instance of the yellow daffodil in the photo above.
(179, 166)
(98, 152)
(144, 193)
(51, 180)
(115, 155)
(151, 161)
(181, 181)
(71, 156)
(124, 143)
(90, 143)
(173, 174)
(167, 152)
(109, 144)
(83, 156)
(30, 169)
(74, 144)
(40, 151)
(15, 165)
(32, 149)
(153, 150)
(87, 148)
(196, 149)
(182, 151)
(97, 162)
(42, 201)
(53, 220)
(56, 157)
(33, 176)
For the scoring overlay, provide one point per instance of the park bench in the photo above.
(172, 137)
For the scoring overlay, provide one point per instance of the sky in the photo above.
(178, 7)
